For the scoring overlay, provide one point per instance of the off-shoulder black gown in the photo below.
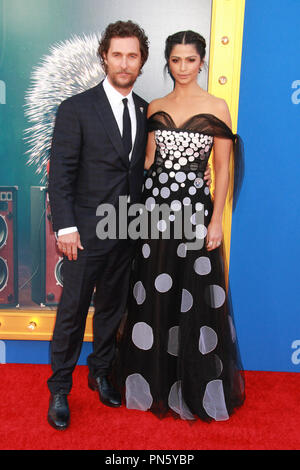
(179, 348)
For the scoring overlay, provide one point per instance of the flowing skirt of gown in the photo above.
(178, 353)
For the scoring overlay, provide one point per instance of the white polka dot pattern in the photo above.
(173, 341)
(202, 265)
(215, 296)
(208, 340)
(142, 336)
(176, 402)
(186, 301)
(163, 282)
(214, 401)
(181, 250)
(138, 395)
(146, 250)
(139, 292)
(181, 147)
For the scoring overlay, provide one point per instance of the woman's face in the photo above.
(184, 63)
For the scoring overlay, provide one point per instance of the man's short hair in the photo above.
(123, 29)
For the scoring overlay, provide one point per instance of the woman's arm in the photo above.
(151, 144)
(222, 150)
(150, 150)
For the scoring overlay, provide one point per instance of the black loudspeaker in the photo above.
(47, 281)
(8, 247)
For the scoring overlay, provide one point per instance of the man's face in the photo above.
(123, 62)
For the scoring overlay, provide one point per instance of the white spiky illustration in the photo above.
(72, 66)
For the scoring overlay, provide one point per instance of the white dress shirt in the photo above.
(115, 100)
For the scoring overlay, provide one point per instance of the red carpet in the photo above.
(269, 419)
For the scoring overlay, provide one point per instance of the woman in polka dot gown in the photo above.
(179, 348)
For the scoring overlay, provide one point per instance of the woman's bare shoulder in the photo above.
(156, 105)
(219, 108)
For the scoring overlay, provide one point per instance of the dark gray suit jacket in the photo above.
(88, 165)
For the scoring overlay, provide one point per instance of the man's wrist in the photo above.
(65, 231)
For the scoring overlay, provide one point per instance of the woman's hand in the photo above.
(214, 235)
(207, 176)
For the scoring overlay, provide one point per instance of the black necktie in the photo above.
(127, 141)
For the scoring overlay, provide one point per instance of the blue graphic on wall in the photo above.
(2, 352)
(2, 92)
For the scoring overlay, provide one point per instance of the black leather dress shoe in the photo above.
(107, 394)
(59, 413)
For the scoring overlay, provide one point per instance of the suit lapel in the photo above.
(140, 129)
(108, 120)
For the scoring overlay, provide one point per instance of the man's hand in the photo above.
(69, 244)
(207, 176)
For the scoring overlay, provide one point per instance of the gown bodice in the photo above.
(188, 147)
(182, 150)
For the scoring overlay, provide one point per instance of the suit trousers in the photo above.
(105, 278)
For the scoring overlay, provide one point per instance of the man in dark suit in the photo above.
(97, 155)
